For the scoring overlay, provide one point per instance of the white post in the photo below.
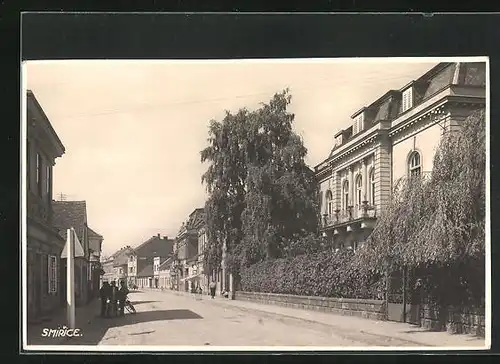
(70, 278)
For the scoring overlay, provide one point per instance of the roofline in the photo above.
(51, 128)
(358, 112)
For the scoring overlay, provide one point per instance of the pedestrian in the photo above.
(104, 295)
(122, 296)
(113, 298)
(212, 289)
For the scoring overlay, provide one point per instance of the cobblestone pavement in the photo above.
(167, 318)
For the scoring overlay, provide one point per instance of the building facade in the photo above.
(186, 251)
(115, 267)
(96, 271)
(165, 275)
(44, 243)
(393, 138)
(73, 214)
(143, 256)
(204, 273)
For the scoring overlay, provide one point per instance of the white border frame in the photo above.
(128, 348)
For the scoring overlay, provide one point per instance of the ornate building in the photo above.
(185, 262)
(393, 137)
(44, 244)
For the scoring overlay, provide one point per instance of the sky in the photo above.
(133, 131)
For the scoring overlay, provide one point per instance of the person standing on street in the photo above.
(104, 294)
(113, 297)
(122, 296)
(212, 289)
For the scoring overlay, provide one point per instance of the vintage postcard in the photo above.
(298, 204)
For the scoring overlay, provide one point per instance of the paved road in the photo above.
(168, 319)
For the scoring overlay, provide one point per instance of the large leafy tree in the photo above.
(261, 192)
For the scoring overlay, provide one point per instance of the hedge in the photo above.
(324, 274)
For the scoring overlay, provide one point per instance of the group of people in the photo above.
(113, 299)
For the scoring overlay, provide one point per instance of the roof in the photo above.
(30, 95)
(195, 221)
(165, 264)
(70, 214)
(93, 234)
(146, 272)
(122, 257)
(155, 247)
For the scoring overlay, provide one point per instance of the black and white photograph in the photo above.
(255, 204)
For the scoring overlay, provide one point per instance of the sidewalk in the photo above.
(83, 318)
(388, 331)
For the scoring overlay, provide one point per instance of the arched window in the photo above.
(345, 195)
(372, 187)
(329, 202)
(414, 164)
(359, 190)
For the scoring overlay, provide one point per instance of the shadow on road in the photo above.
(94, 331)
(135, 303)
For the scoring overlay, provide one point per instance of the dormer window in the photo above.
(407, 100)
(357, 126)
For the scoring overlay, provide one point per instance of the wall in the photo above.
(457, 320)
(425, 141)
(372, 309)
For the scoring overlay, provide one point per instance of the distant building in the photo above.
(143, 256)
(115, 266)
(393, 138)
(165, 274)
(73, 214)
(204, 273)
(44, 244)
(95, 248)
(186, 251)
(144, 279)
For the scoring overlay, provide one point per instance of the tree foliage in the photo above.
(436, 226)
(261, 192)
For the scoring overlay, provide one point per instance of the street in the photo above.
(176, 319)
(168, 319)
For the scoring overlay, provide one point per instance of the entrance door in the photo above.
(395, 307)
(403, 301)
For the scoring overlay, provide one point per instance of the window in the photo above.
(329, 202)
(49, 182)
(372, 187)
(345, 195)
(414, 164)
(52, 274)
(39, 173)
(360, 123)
(359, 190)
(407, 100)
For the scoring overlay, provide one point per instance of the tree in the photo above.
(439, 224)
(260, 189)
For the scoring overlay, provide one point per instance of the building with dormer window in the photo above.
(394, 137)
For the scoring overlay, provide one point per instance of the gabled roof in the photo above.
(146, 272)
(70, 214)
(155, 247)
(166, 264)
(93, 234)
